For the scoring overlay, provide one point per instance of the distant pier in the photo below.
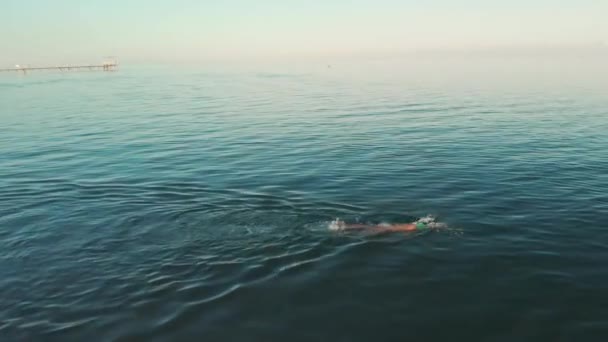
(105, 66)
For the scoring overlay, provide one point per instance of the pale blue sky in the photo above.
(191, 30)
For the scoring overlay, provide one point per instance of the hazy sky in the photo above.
(191, 30)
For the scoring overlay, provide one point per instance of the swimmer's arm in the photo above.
(408, 227)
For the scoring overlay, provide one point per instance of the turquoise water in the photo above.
(159, 203)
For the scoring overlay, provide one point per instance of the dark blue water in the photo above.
(164, 204)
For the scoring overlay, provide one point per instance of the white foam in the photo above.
(427, 219)
(336, 225)
(431, 222)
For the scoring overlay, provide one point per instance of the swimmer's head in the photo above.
(422, 225)
(428, 222)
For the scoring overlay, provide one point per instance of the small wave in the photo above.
(279, 75)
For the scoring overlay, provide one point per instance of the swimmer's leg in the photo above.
(357, 226)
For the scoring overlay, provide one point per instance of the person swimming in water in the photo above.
(422, 224)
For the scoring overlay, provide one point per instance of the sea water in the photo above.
(194, 202)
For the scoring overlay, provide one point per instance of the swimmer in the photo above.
(422, 224)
